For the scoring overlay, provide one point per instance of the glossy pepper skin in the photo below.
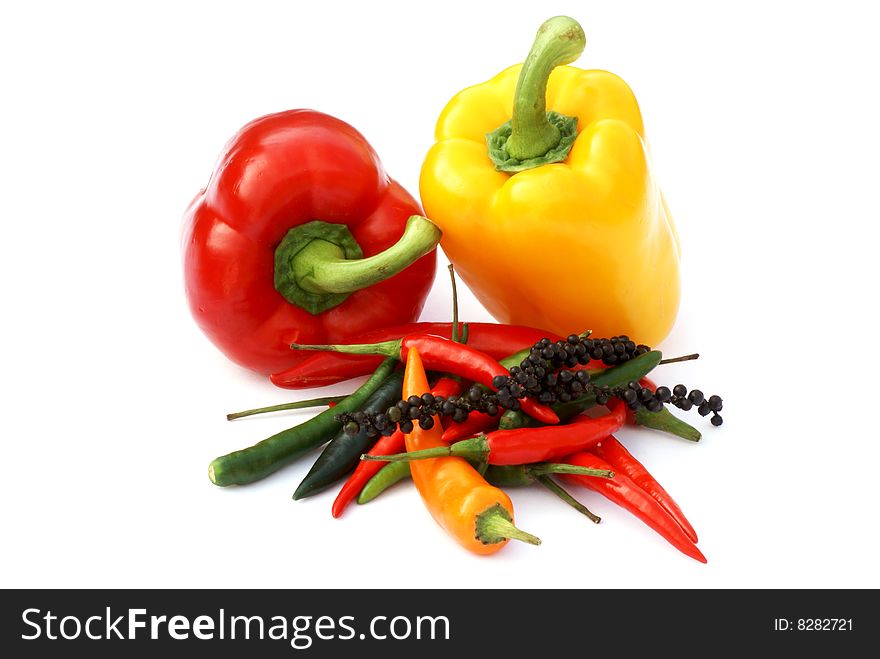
(627, 494)
(331, 367)
(365, 469)
(615, 454)
(525, 445)
(444, 356)
(600, 212)
(456, 495)
(278, 172)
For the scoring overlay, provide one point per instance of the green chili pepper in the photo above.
(387, 476)
(258, 461)
(343, 452)
(667, 422)
(516, 358)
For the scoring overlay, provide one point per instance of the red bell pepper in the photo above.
(301, 236)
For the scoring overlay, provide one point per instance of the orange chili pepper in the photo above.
(478, 515)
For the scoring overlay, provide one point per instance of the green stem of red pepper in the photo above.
(317, 265)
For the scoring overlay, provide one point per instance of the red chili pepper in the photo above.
(325, 368)
(525, 445)
(615, 454)
(475, 424)
(273, 245)
(392, 444)
(625, 493)
(445, 356)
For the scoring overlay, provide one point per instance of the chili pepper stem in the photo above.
(494, 525)
(533, 136)
(455, 328)
(560, 40)
(296, 405)
(560, 468)
(558, 490)
(386, 348)
(683, 358)
(321, 267)
(475, 449)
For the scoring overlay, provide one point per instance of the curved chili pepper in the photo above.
(496, 340)
(478, 515)
(615, 454)
(525, 445)
(340, 455)
(475, 424)
(625, 493)
(365, 469)
(439, 354)
(389, 474)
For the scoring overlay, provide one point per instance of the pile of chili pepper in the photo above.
(463, 421)
(300, 237)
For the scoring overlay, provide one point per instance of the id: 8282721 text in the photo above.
(813, 624)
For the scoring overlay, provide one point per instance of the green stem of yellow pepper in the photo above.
(534, 136)
(560, 40)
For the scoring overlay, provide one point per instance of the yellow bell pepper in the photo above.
(553, 219)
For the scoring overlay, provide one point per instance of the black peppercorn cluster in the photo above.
(422, 409)
(545, 376)
(539, 374)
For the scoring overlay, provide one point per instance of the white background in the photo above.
(762, 119)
